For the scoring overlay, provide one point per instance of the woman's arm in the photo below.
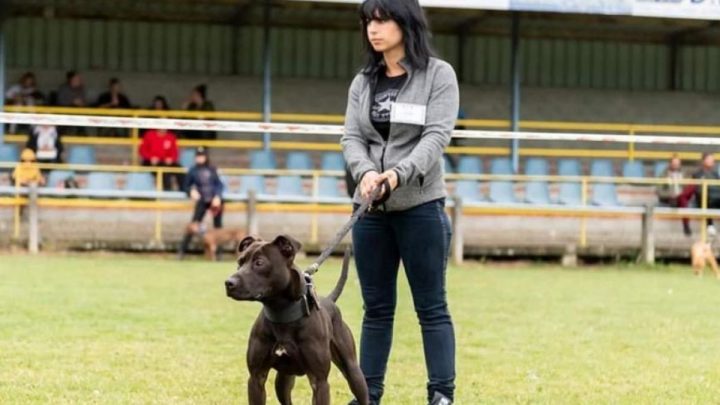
(440, 118)
(354, 144)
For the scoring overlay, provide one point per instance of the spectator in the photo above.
(159, 149)
(669, 192)
(46, 143)
(72, 92)
(707, 171)
(114, 97)
(160, 103)
(25, 92)
(27, 171)
(198, 102)
(204, 186)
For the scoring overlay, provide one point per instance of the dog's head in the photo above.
(266, 271)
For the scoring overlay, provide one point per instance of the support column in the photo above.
(267, 72)
(648, 235)
(515, 90)
(2, 74)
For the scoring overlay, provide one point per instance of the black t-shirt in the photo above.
(386, 91)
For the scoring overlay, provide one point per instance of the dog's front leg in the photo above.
(321, 390)
(256, 388)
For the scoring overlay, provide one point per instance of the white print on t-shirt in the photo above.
(380, 111)
(46, 138)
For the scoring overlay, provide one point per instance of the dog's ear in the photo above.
(249, 240)
(288, 246)
(297, 284)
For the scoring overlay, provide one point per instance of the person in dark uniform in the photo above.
(204, 186)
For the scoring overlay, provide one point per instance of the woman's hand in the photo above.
(194, 195)
(215, 202)
(368, 183)
(391, 177)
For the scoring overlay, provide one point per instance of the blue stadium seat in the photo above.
(601, 168)
(140, 182)
(101, 181)
(536, 167)
(605, 195)
(290, 186)
(502, 192)
(470, 165)
(299, 161)
(187, 158)
(57, 177)
(262, 160)
(468, 190)
(81, 155)
(251, 182)
(9, 153)
(570, 194)
(328, 187)
(660, 168)
(633, 168)
(537, 192)
(332, 161)
(501, 166)
(569, 167)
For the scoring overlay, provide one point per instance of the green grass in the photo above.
(117, 329)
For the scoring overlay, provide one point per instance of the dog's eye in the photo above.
(258, 262)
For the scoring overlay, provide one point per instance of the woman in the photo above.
(205, 187)
(402, 108)
(159, 149)
(198, 102)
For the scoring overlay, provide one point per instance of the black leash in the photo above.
(367, 205)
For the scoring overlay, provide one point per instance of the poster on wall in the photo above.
(575, 6)
(697, 9)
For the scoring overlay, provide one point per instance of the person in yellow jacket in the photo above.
(27, 171)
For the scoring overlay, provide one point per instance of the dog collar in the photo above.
(297, 310)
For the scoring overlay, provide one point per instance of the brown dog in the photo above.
(702, 254)
(296, 333)
(215, 238)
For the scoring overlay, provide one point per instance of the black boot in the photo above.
(440, 399)
(184, 245)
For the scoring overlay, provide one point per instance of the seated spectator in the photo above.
(25, 92)
(198, 102)
(113, 98)
(708, 171)
(160, 103)
(669, 192)
(159, 149)
(72, 94)
(45, 141)
(27, 171)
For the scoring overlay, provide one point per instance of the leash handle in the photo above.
(379, 196)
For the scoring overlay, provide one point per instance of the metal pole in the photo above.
(515, 84)
(33, 234)
(2, 74)
(267, 73)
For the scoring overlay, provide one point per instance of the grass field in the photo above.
(113, 329)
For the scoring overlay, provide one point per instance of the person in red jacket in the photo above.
(159, 149)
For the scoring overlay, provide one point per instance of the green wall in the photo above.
(35, 43)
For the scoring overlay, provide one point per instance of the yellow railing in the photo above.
(315, 209)
(629, 153)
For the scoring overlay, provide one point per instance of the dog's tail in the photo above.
(335, 294)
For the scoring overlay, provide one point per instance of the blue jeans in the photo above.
(420, 237)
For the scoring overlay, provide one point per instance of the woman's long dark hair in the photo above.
(410, 17)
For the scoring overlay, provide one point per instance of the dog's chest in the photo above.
(286, 358)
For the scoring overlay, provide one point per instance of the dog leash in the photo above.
(366, 206)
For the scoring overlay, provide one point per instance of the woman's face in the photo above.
(196, 97)
(158, 104)
(384, 35)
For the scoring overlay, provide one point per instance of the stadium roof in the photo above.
(333, 15)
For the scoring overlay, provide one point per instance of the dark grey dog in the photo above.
(296, 333)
